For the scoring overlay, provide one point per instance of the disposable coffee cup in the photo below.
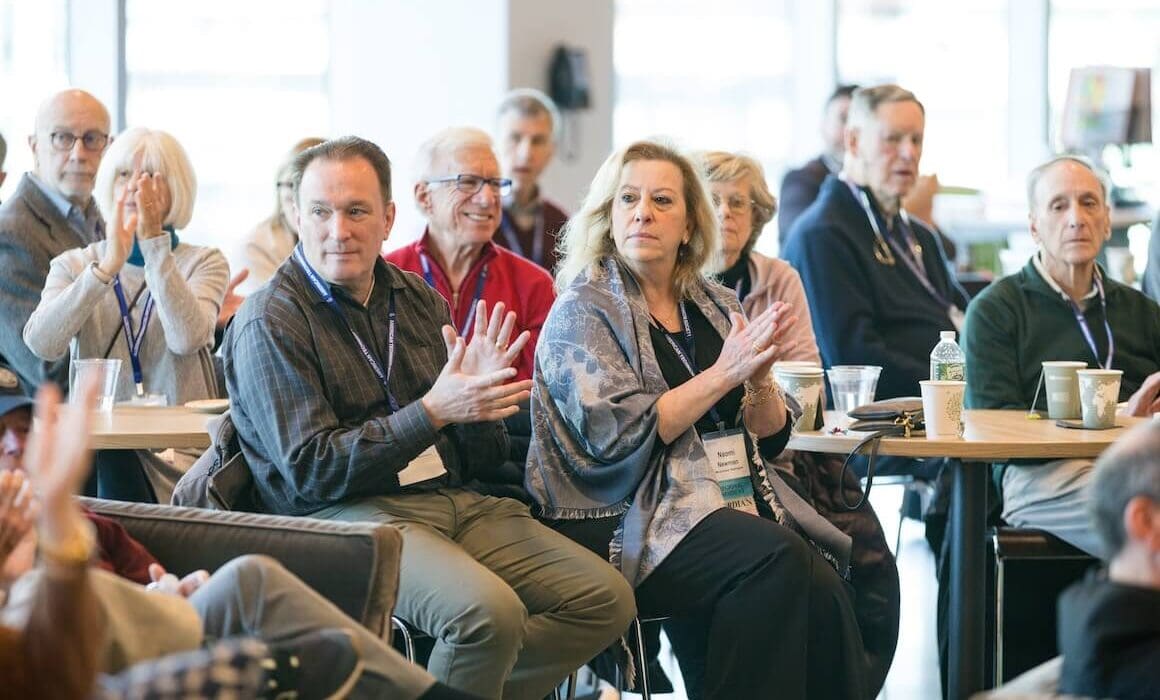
(804, 384)
(942, 407)
(1099, 391)
(1062, 387)
(105, 370)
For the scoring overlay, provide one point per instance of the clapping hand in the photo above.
(751, 347)
(16, 512)
(489, 349)
(472, 387)
(153, 202)
(119, 242)
(58, 459)
(1146, 400)
(166, 582)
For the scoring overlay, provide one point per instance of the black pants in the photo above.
(757, 613)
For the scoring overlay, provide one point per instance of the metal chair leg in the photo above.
(408, 640)
(641, 660)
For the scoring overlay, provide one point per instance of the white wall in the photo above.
(536, 27)
(401, 71)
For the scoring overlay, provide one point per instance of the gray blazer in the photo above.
(32, 233)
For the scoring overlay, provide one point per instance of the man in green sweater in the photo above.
(1060, 306)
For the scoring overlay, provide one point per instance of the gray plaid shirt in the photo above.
(312, 418)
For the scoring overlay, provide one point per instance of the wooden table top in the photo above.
(142, 428)
(990, 435)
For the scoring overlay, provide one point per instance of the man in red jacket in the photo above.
(459, 190)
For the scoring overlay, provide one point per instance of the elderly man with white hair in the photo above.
(1060, 306)
(459, 189)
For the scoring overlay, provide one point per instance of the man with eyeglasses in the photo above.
(459, 190)
(355, 399)
(51, 211)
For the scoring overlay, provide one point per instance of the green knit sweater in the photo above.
(1020, 321)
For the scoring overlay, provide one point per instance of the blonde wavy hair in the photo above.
(587, 237)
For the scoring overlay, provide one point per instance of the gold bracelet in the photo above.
(757, 397)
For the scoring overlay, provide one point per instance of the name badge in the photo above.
(427, 466)
(726, 451)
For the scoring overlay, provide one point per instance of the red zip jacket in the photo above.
(520, 284)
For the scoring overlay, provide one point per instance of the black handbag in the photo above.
(901, 417)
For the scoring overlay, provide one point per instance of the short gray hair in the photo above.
(1038, 172)
(1129, 468)
(865, 102)
(530, 102)
(342, 149)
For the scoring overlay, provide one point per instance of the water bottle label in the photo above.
(948, 371)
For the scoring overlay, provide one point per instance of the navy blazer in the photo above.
(866, 312)
(32, 233)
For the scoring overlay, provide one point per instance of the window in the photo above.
(238, 84)
(1108, 33)
(32, 66)
(954, 57)
(710, 76)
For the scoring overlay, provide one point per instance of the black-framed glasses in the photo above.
(736, 204)
(471, 184)
(92, 140)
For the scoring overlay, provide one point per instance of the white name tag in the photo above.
(726, 451)
(427, 466)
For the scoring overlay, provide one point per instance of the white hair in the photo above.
(152, 151)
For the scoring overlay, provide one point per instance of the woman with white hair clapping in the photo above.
(141, 295)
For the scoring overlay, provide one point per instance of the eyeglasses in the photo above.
(65, 140)
(285, 185)
(471, 184)
(737, 205)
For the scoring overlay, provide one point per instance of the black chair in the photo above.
(1031, 569)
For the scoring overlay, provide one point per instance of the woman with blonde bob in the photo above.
(140, 295)
(654, 418)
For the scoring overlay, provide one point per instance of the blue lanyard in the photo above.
(907, 258)
(507, 225)
(134, 340)
(1087, 332)
(324, 293)
(688, 354)
(430, 279)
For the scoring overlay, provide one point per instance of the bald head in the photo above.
(70, 171)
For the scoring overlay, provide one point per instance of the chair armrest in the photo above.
(353, 565)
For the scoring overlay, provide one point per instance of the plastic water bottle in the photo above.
(947, 361)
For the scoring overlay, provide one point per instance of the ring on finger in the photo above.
(757, 349)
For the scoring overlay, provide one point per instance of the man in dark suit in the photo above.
(51, 211)
(877, 280)
(799, 188)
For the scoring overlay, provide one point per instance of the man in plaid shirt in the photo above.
(354, 399)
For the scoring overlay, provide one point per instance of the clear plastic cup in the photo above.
(852, 386)
(106, 372)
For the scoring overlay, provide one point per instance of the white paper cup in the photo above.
(804, 384)
(942, 407)
(106, 372)
(1099, 391)
(1062, 387)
